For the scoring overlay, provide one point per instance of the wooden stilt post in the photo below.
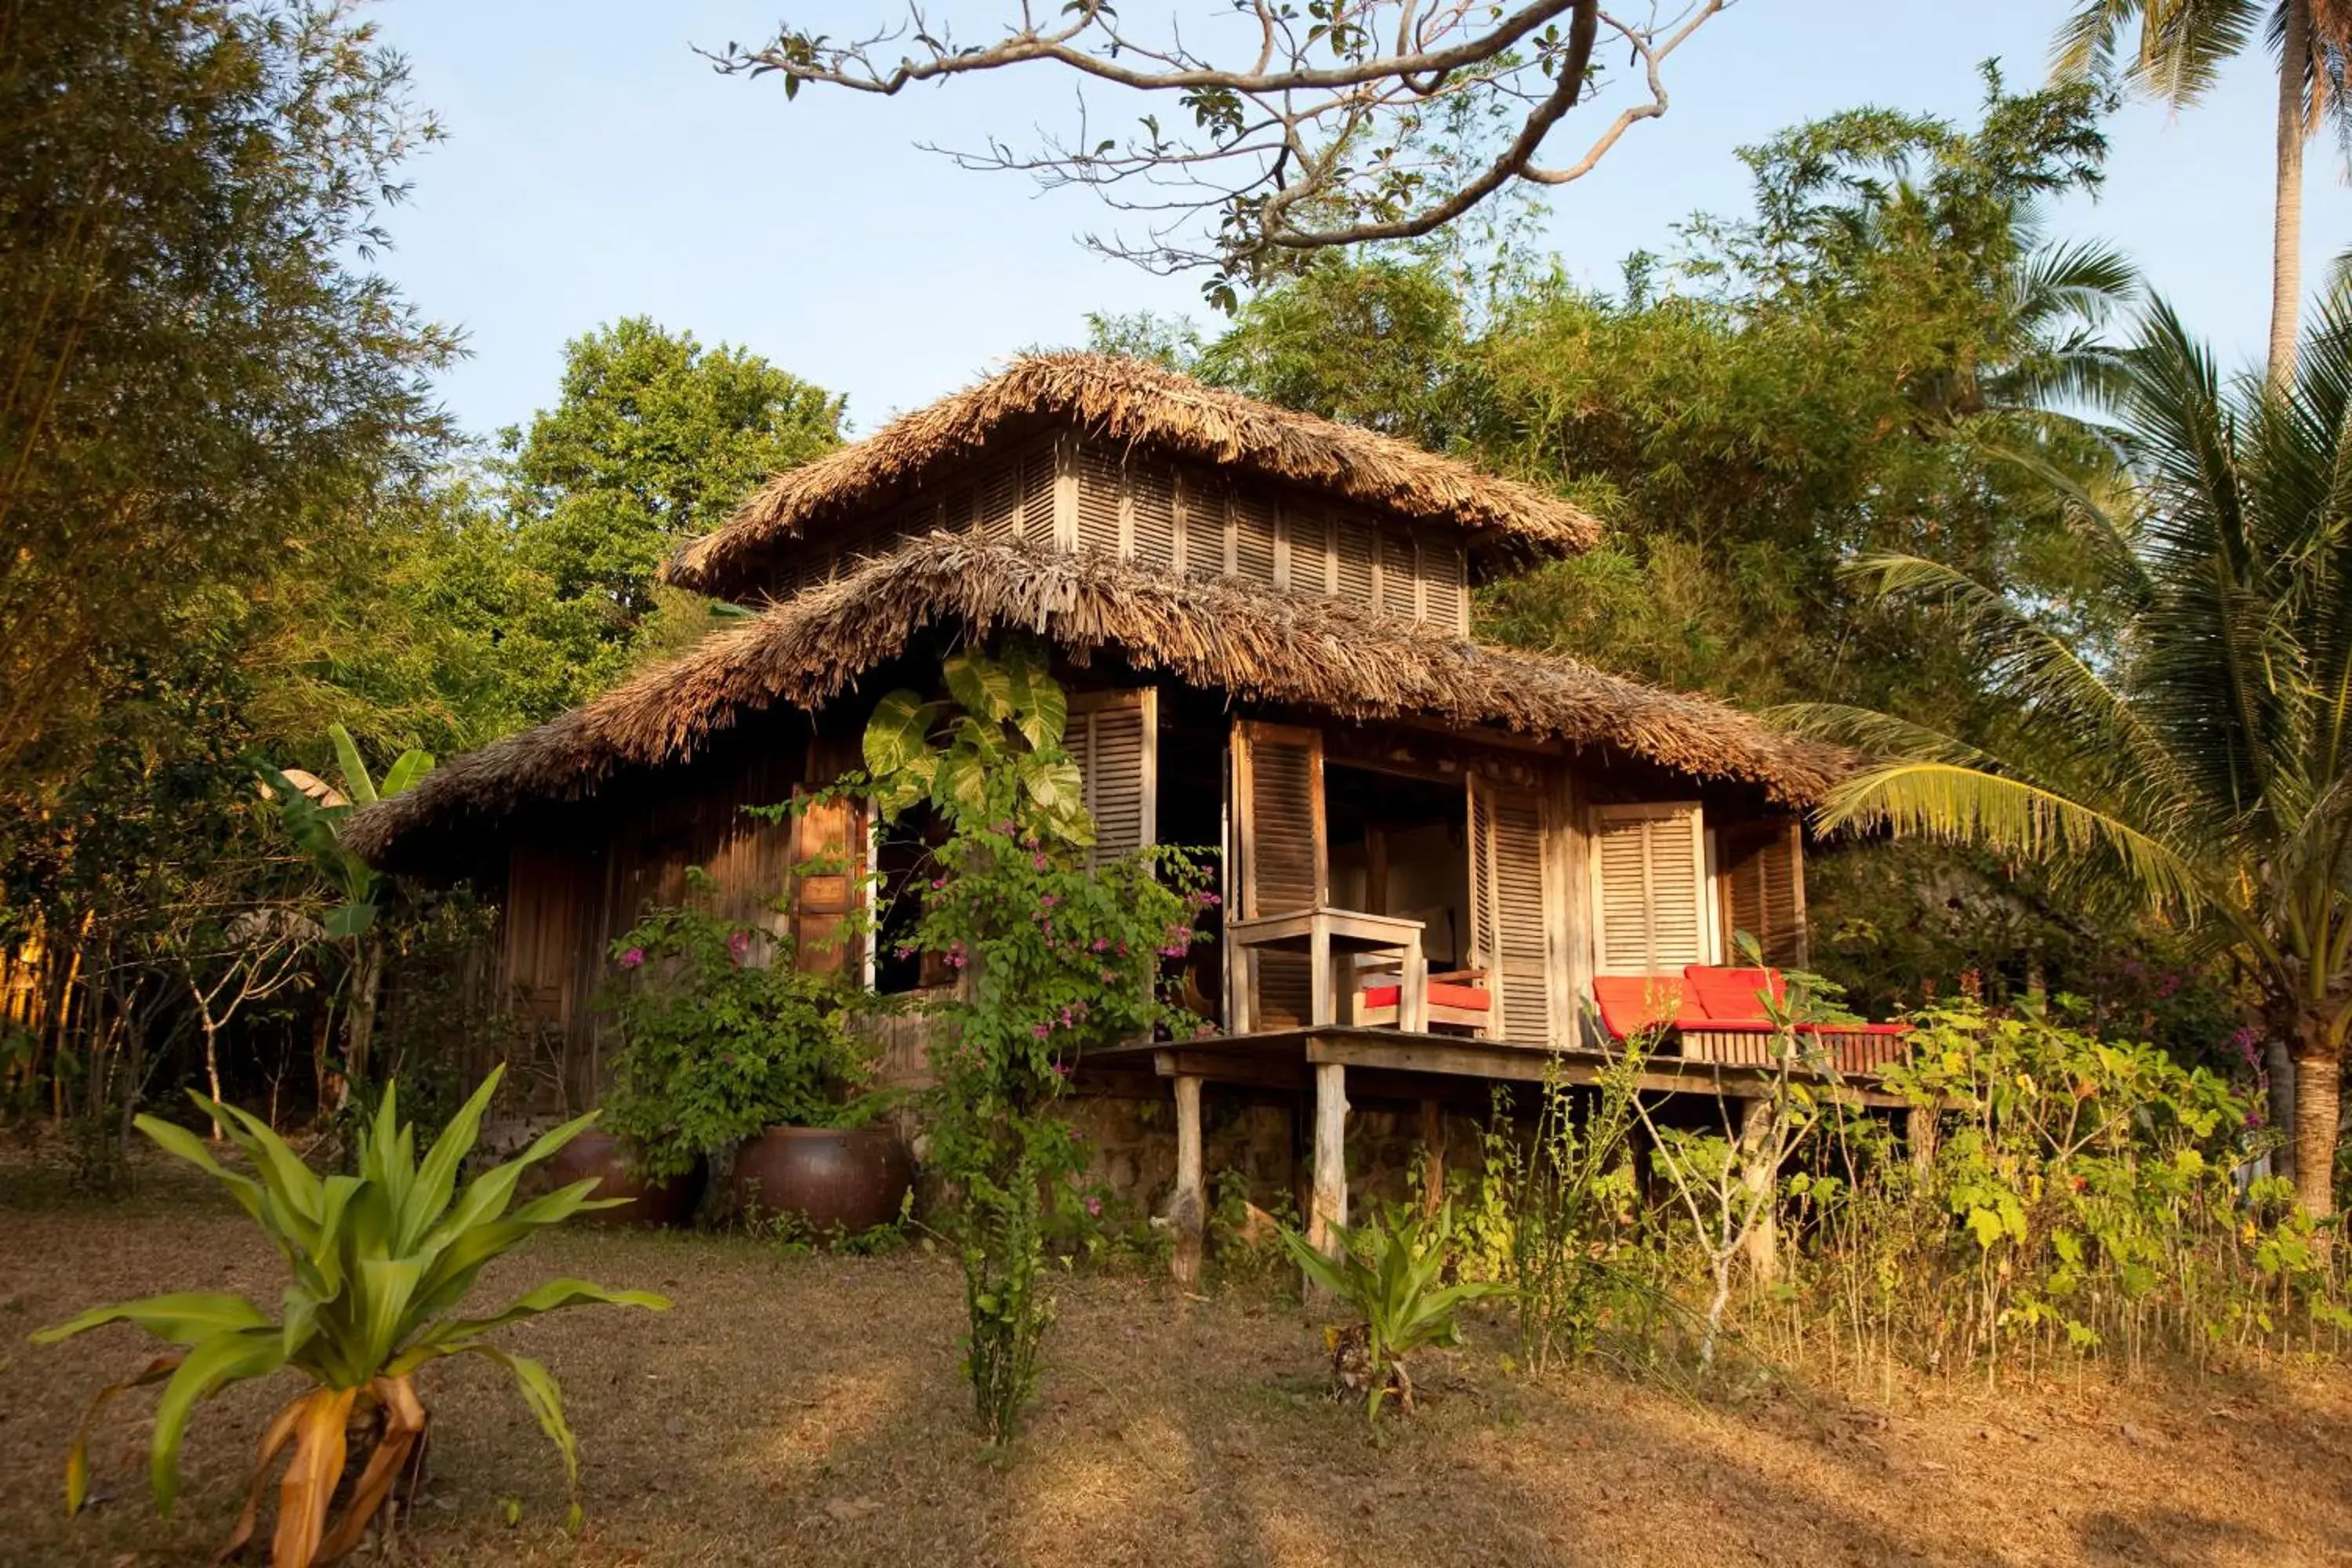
(1920, 1129)
(1187, 1210)
(1330, 1158)
(1759, 1175)
(1432, 1156)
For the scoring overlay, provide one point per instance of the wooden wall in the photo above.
(582, 879)
(1082, 494)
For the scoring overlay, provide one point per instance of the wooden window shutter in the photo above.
(1151, 499)
(1399, 582)
(1254, 539)
(1511, 905)
(1000, 503)
(550, 893)
(1356, 546)
(1114, 739)
(828, 852)
(1447, 585)
(1649, 869)
(1098, 509)
(1760, 880)
(1039, 470)
(1281, 852)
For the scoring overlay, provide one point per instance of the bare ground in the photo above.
(808, 1409)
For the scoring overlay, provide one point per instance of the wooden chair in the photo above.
(1458, 998)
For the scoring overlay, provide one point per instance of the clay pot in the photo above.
(605, 1157)
(840, 1181)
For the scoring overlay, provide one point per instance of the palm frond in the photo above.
(2010, 817)
(2086, 42)
(1876, 734)
(2060, 696)
(2100, 513)
(2184, 44)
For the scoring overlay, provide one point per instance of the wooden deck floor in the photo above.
(1392, 1063)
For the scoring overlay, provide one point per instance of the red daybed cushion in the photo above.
(1732, 995)
(1633, 1004)
(1703, 997)
(1442, 994)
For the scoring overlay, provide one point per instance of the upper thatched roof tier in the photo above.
(1131, 403)
(1256, 644)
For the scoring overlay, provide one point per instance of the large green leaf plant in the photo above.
(1387, 1273)
(382, 1265)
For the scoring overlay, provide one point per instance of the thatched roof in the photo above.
(1255, 643)
(1133, 403)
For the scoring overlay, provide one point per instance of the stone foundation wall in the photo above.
(1131, 1138)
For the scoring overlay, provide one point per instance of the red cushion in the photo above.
(1634, 1004)
(1733, 995)
(1442, 994)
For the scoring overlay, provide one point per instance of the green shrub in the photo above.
(723, 1036)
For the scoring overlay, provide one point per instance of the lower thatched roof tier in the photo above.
(1261, 645)
(1131, 402)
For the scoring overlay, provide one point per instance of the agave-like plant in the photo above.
(1386, 1272)
(381, 1263)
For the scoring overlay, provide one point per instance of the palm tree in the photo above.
(2200, 758)
(2181, 47)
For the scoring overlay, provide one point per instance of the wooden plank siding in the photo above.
(1082, 493)
(569, 896)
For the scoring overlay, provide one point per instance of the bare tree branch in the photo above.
(1345, 122)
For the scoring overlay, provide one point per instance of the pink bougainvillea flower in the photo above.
(1061, 1069)
(1039, 861)
(1042, 1030)
(632, 958)
(1094, 1206)
(1049, 901)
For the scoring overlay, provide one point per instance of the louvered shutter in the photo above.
(1445, 581)
(1356, 546)
(1000, 503)
(1151, 500)
(1254, 539)
(1760, 879)
(1038, 469)
(1113, 737)
(1650, 874)
(1278, 785)
(1099, 507)
(1510, 907)
(1400, 583)
(826, 856)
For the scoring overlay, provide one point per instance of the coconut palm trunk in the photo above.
(2175, 50)
(2318, 1116)
(2295, 127)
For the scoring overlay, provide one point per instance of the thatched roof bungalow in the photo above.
(1263, 620)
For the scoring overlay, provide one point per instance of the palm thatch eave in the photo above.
(1132, 403)
(1254, 644)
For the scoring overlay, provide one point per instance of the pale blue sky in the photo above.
(596, 168)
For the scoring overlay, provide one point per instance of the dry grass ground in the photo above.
(800, 1409)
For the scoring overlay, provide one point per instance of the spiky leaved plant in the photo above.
(1386, 1272)
(381, 1261)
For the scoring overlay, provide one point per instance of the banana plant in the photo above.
(1386, 1272)
(382, 1264)
(313, 812)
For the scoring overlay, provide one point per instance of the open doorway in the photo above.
(1399, 846)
